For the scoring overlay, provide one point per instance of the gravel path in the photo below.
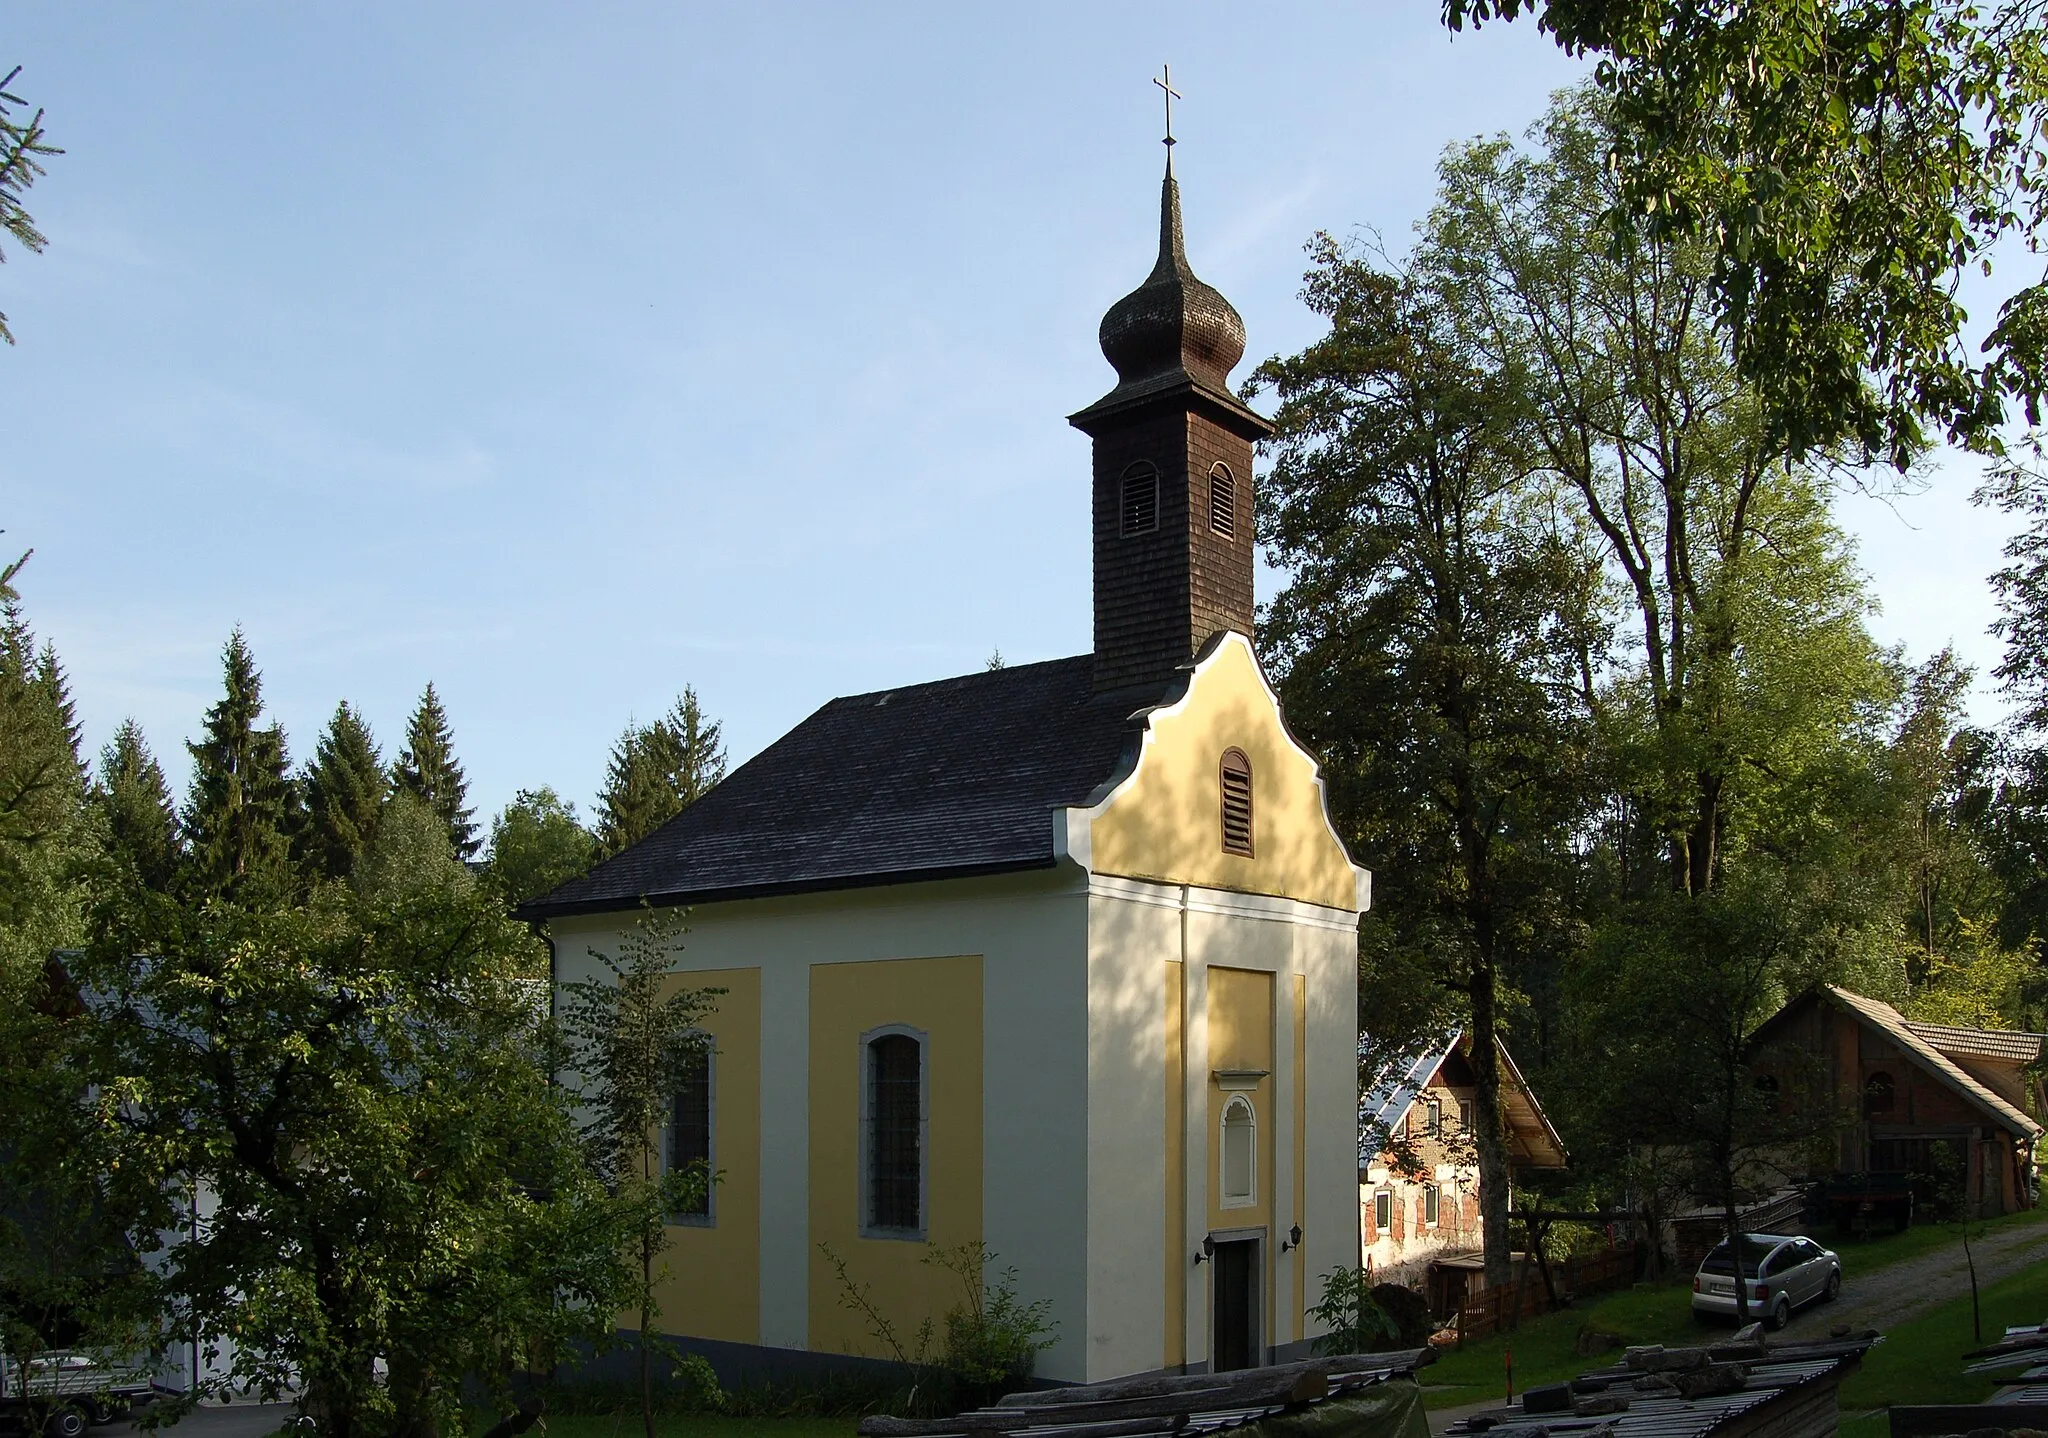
(1904, 1290)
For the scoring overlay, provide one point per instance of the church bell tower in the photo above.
(1173, 471)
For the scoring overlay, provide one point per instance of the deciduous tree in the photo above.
(537, 845)
(1435, 639)
(1844, 164)
(634, 1037)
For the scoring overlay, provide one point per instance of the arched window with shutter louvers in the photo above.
(1138, 501)
(1235, 774)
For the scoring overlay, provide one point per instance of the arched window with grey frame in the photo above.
(894, 1129)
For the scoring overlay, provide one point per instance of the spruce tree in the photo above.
(657, 771)
(428, 771)
(345, 788)
(242, 807)
(43, 832)
(134, 801)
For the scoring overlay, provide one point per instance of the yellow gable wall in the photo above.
(941, 998)
(1166, 822)
(713, 1287)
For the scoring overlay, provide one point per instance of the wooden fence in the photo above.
(1489, 1311)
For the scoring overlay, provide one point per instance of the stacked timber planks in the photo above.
(1746, 1388)
(2019, 1359)
(1178, 1404)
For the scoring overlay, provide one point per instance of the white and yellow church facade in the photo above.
(1059, 958)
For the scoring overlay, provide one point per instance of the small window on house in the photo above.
(1383, 1210)
(1239, 1152)
(1223, 501)
(1432, 1203)
(1138, 501)
(1767, 1093)
(1433, 1117)
(1879, 1096)
(1464, 1115)
(689, 1134)
(893, 1136)
(1236, 779)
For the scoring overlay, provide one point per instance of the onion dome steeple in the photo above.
(1172, 506)
(1172, 326)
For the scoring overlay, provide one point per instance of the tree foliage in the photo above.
(23, 147)
(345, 789)
(634, 1035)
(243, 808)
(537, 845)
(1434, 639)
(397, 1203)
(428, 770)
(657, 771)
(1844, 164)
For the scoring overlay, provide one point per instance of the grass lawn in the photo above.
(1920, 1361)
(696, 1425)
(1544, 1347)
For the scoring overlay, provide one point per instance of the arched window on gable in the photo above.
(1235, 780)
(1239, 1150)
(1138, 500)
(1223, 500)
(1880, 1097)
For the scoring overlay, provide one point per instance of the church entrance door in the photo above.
(1234, 1325)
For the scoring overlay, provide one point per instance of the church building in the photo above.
(1059, 958)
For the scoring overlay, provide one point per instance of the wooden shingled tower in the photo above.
(1173, 471)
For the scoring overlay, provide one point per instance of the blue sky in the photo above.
(565, 355)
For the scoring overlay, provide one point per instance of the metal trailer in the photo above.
(69, 1390)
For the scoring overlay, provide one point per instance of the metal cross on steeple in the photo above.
(1165, 82)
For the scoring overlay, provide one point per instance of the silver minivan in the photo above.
(1782, 1273)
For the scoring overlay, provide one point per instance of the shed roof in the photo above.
(1895, 1026)
(2008, 1044)
(940, 780)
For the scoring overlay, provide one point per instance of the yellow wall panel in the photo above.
(942, 998)
(1176, 1172)
(712, 1287)
(1166, 823)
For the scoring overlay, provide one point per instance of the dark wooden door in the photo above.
(1234, 1283)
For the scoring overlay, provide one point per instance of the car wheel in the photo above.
(66, 1422)
(1834, 1288)
(1781, 1312)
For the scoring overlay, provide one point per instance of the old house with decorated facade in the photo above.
(1418, 1191)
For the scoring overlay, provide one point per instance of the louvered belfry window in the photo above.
(1138, 501)
(1236, 772)
(1223, 501)
(895, 1132)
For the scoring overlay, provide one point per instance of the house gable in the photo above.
(1163, 819)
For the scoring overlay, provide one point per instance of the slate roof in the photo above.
(938, 780)
(1895, 1026)
(1981, 1043)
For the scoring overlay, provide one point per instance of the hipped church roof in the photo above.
(932, 781)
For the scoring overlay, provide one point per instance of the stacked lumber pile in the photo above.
(1743, 1388)
(2019, 1359)
(1186, 1404)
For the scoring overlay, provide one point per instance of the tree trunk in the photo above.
(1486, 1120)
